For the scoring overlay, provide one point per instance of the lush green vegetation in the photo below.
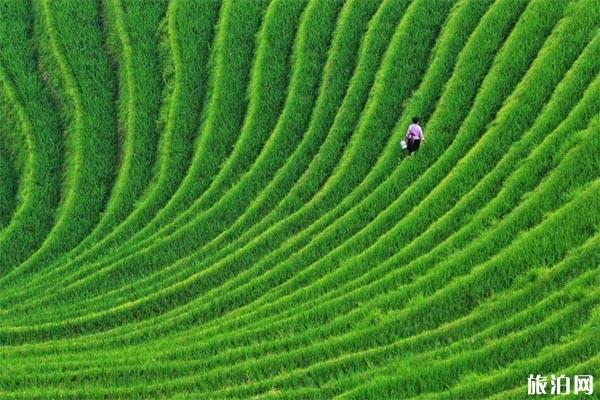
(208, 199)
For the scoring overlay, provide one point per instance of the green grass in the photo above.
(12, 162)
(37, 122)
(208, 199)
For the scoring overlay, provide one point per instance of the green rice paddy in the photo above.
(208, 199)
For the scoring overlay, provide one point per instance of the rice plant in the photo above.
(209, 199)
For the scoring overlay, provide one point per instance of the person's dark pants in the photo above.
(413, 145)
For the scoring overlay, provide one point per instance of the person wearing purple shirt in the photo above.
(414, 136)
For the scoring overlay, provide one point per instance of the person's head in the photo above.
(415, 120)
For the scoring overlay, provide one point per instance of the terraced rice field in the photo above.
(203, 199)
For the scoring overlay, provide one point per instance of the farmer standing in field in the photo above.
(414, 136)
